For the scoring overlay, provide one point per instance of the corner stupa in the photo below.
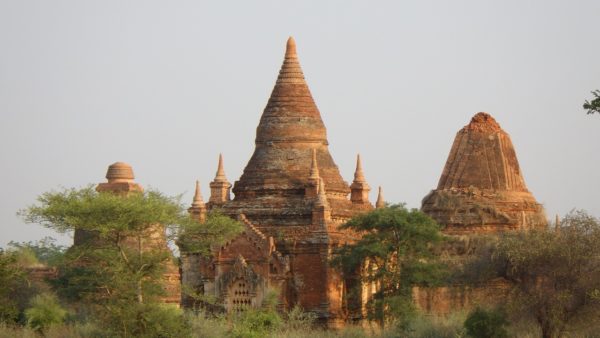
(482, 189)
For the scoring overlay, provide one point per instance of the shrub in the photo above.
(164, 321)
(297, 319)
(147, 320)
(44, 312)
(204, 325)
(256, 323)
(10, 331)
(430, 326)
(12, 279)
(486, 324)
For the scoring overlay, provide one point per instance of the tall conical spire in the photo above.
(219, 187)
(290, 48)
(359, 187)
(314, 168)
(380, 201)
(220, 176)
(198, 208)
(283, 163)
(197, 195)
(321, 195)
(312, 186)
(290, 100)
(359, 176)
(291, 72)
(321, 213)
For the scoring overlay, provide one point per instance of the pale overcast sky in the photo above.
(167, 85)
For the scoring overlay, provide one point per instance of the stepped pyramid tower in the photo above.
(291, 194)
(482, 189)
(271, 191)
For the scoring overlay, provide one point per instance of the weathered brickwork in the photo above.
(481, 189)
(291, 192)
(292, 199)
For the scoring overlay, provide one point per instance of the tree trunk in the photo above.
(140, 295)
(548, 331)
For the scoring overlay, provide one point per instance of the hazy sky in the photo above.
(167, 85)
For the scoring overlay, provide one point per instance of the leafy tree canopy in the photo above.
(199, 238)
(44, 251)
(395, 252)
(594, 105)
(556, 272)
(116, 271)
(12, 277)
(103, 212)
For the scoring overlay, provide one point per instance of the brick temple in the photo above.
(291, 199)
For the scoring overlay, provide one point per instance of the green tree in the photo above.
(12, 278)
(122, 261)
(395, 253)
(120, 232)
(200, 238)
(594, 105)
(45, 250)
(555, 272)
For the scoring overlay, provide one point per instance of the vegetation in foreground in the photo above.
(554, 273)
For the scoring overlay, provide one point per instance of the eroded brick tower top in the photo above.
(483, 157)
(482, 188)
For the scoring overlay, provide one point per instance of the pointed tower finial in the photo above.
(198, 194)
(290, 48)
(380, 202)
(321, 196)
(314, 168)
(220, 176)
(219, 187)
(321, 213)
(359, 189)
(359, 176)
(198, 208)
(312, 187)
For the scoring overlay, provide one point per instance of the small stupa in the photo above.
(482, 189)
(120, 181)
